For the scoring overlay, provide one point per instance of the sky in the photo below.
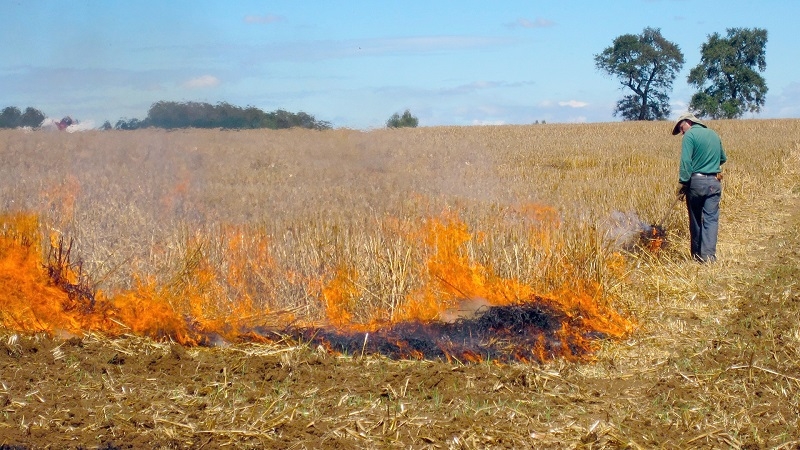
(356, 63)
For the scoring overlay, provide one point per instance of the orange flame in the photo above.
(339, 295)
(29, 298)
(233, 296)
(452, 276)
(653, 238)
(188, 310)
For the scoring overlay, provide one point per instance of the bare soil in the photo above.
(93, 392)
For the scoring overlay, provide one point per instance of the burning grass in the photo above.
(204, 305)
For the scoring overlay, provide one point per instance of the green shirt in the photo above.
(701, 152)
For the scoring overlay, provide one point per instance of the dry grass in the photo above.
(703, 369)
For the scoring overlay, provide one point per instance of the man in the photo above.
(699, 176)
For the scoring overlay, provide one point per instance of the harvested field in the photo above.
(151, 282)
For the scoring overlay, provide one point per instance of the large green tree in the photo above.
(647, 64)
(727, 77)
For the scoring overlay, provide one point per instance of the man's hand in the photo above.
(719, 176)
(681, 192)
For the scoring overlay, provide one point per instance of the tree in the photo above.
(128, 124)
(647, 64)
(406, 120)
(12, 117)
(32, 117)
(9, 117)
(728, 82)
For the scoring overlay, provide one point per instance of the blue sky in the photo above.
(356, 63)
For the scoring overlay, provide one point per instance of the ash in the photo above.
(533, 331)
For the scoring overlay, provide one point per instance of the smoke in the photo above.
(66, 124)
(624, 229)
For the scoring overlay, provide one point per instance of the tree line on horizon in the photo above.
(171, 115)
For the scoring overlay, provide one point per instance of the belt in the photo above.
(698, 174)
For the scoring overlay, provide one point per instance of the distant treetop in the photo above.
(406, 120)
(12, 117)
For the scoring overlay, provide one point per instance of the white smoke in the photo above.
(624, 229)
(50, 124)
(81, 126)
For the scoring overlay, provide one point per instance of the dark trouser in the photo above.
(702, 201)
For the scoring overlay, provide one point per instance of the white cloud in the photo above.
(488, 122)
(537, 23)
(204, 81)
(269, 18)
(573, 104)
(784, 103)
(476, 86)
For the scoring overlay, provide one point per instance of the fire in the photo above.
(653, 238)
(33, 298)
(52, 296)
(458, 310)
(339, 295)
(451, 276)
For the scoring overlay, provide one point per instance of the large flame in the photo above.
(459, 309)
(466, 311)
(34, 297)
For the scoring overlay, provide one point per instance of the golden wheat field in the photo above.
(445, 287)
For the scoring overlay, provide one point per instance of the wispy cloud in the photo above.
(429, 43)
(536, 23)
(573, 104)
(488, 122)
(784, 103)
(262, 20)
(481, 85)
(44, 81)
(320, 50)
(201, 82)
(223, 55)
